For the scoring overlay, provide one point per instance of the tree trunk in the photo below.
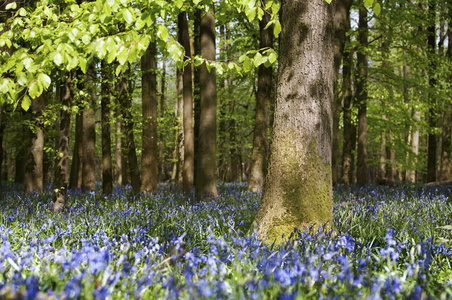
(298, 190)
(447, 121)
(118, 153)
(149, 160)
(206, 186)
(222, 132)
(341, 16)
(21, 156)
(432, 121)
(126, 107)
(75, 178)
(262, 116)
(62, 159)
(189, 135)
(107, 171)
(361, 91)
(89, 134)
(163, 175)
(197, 90)
(34, 175)
(347, 111)
(178, 153)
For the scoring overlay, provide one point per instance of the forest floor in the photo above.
(387, 243)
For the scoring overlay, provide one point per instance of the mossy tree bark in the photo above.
(189, 138)
(106, 91)
(361, 95)
(34, 175)
(298, 190)
(149, 160)
(258, 168)
(62, 158)
(205, 179)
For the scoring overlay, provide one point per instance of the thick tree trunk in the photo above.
(432, 120)
(34, 175)
(298, 189)
(222, 132)
(126, 107)
(178, 153)
(107, 171)
(189, 135)
(62, 159)
(149, 160)
(206, 186)
(262, 116)
(89, 134)
(347, 111)
(361, 94)
(21, 158)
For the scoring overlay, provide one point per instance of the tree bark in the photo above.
(106, 91)
(262, 117)
(149, 160)
(205, 176)
(347, 111)
(62, 159)
(189, 135)
(161, 156)
(298, 189)
(89, 134)
(197, 89)
(432, 120)
(75, 178)
(361, 91)
(34, 175)
(341, 16)
(126, 107)
(178, 153)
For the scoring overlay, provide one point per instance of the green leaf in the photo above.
(82, 64)
(34, 90)
(447, 227)
(4, 86)
(128, 17)
(28, 63)
(22, 12)
(259, 59)
(377, 9)
(58, 59)
(277, 29)
(368, 3)
(250, 13)
(45, 80)
(162, 33)
(11, 6)
(179, 3)
(247, 64)
(22, 79)
(328, 1)
(123, 55)
(175, 52)
(86, 39)
(25, 103)
(272, 58)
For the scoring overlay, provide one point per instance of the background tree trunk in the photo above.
(149, 158)
(89, 134)
(107, 171)
(206, 186)
(62, 159)
(361, 94)
(298, 190)
(262, 116)
(34, 175)
(189, 135)
(432, 120)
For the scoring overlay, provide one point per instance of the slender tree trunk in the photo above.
(89, 134)
(196, 91)
(262, 116)
(189, 134)
(445, 170)
(361, 91)
(62, 159)
(34, 175)
(149, 159)
(132, 162)
(106, 90)
(178, 153)
(118, 153)
(391, 170)
(3, 155)
(205, 176)
(75, 178)
(222, 133)
(341, 16)
(161, 156)
(298, 190)
(383, 145)
(432, 120)
(21, 157)
(347, 111)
